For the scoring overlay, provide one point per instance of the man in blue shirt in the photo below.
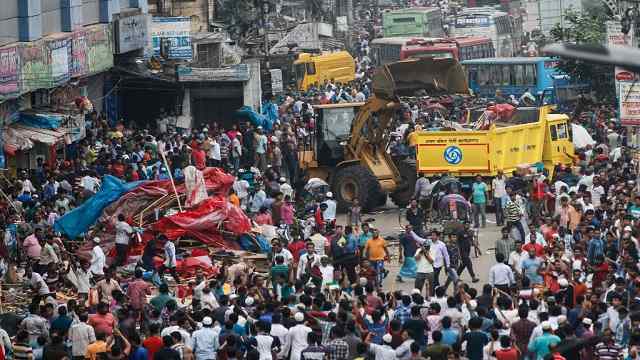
(479, 197)
(540, 345)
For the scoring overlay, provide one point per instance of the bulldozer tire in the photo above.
(403, 195)
(353, 182)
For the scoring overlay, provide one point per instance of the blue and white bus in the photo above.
(513, 76)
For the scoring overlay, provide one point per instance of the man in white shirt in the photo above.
(205, 340)
(280, 332)
(98, 260)
(215, 158)
(499, 184)
(297, 339)
(307, 261)
(424, 268)
(329, 213)
(170, 262)
(123, 231)
(501, 275)
(81, 335)
(278, 250)
(285, 188)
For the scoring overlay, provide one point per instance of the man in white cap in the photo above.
(330, 213)
(98, 260)
(540, 345)
(298, 336)
(384, 351)
(205, 340)
(285, 188)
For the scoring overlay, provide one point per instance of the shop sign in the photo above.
(131, 33)
(176, 31)
(99, 52)
(276, 81)
(236, 73)
(629, 104)
(9, 71)
(60, 57)
(35, 72)
(79, 64)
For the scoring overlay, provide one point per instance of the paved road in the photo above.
(386, 220)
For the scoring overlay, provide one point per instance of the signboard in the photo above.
(99, 52)
(9, 71)
(60, 60)
(175, 30)
(277, 87)
(629, 104)
(79, 65)
(236, 73)
(35, 72)
(477, 21)
(615, 37)
(131, 33)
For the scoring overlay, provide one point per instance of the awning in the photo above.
(22, 137)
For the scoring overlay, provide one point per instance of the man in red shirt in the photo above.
(137, 291)
(103, 321)
(532, 244)
(506, 351)
(199, 156)
(153, 343)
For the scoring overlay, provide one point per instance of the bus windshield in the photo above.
(337, 123)
(428, 53)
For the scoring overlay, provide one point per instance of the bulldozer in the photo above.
(349, 149)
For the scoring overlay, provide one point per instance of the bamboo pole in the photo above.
(173, 184)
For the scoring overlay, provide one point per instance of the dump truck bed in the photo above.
(468, 153)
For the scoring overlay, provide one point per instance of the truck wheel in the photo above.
(356, 182)
(403, 194)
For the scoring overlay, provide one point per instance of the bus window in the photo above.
(519, 75)
(506, 75)
(404, 20)
(554, 133)
(484, 75)
(311, 69)
(530, 74)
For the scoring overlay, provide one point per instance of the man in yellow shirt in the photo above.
(375, 250)
(97, 347)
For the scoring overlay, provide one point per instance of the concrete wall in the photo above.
(9, 23)
(545, 14)
(29, 20)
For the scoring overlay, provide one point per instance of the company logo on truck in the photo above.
(453, 155)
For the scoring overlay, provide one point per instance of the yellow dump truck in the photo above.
(538, 136)
(315, 69)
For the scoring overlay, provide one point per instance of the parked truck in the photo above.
(315, 69)
(538, 137)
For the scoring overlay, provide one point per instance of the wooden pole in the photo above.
(173, 184)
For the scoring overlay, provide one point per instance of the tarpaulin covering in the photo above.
(581, 137)
(22, 137)
(204, 221)
(78, 220)
(216, 181)
(40, 120)
(246, 112)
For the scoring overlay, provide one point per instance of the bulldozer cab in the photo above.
(333, 130)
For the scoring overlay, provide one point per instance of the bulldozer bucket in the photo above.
(420, 77)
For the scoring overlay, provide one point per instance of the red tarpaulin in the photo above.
(203, 222)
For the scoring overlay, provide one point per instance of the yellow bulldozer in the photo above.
(349, 149)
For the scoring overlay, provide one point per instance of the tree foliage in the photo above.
(586, 27)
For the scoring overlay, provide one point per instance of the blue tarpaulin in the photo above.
(39, 120)
(78, 220)
(256, 119)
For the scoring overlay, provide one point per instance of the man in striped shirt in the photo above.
(21, 348)
(513, 215)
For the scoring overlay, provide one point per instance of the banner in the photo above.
(176, 31)
(629, 103)
(9, 71)
(615, 37)
(60, 60)
(277, 87)
(35, 72)
(99, 52)
(131, 33)
(79, 65)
